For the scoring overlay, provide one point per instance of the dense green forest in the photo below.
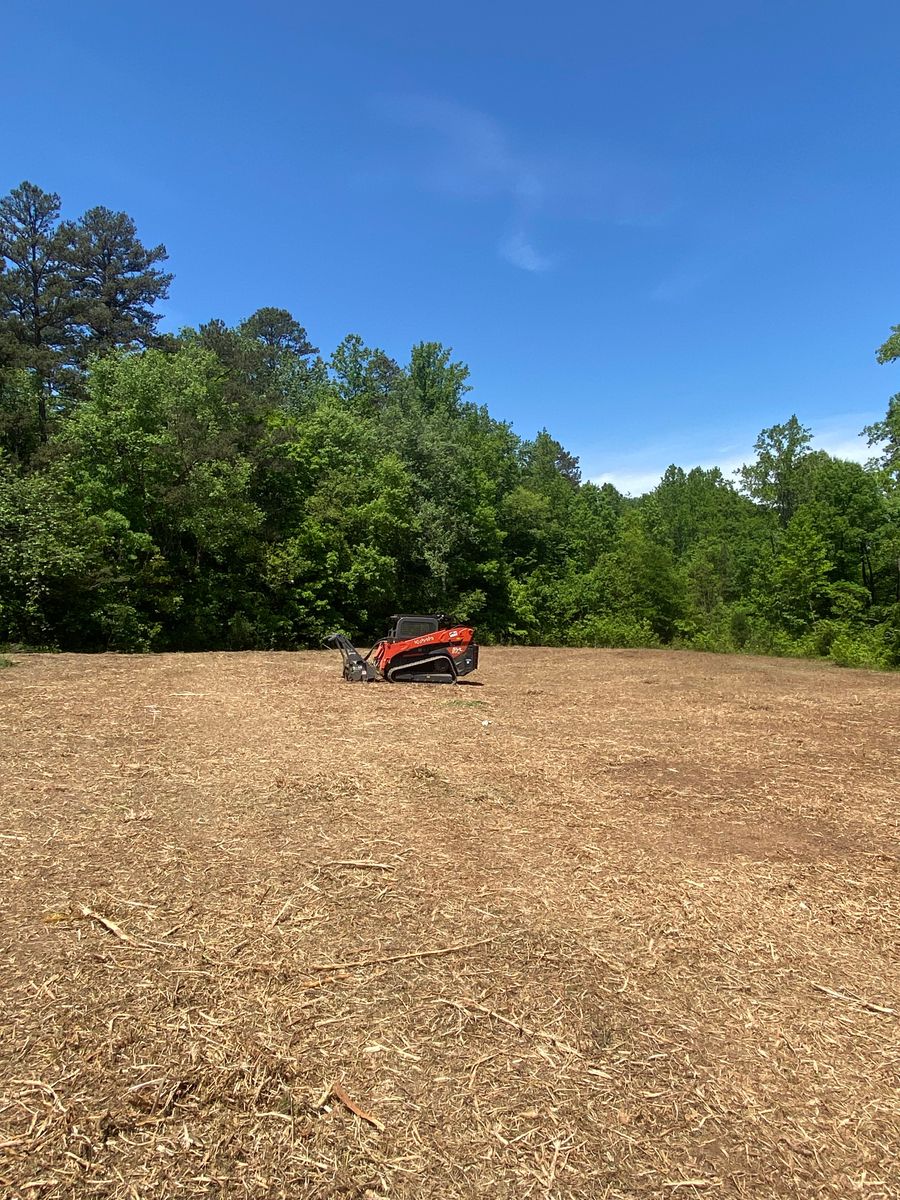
(231, 487)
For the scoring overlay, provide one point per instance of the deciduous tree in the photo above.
(772, 479)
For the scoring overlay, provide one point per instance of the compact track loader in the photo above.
(418, 648)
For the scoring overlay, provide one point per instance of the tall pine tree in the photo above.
(36, 298)
(116, 280)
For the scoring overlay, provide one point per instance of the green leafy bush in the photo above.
(860, 648)
(620, 632)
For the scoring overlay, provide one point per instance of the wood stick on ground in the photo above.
(866, 1004)
(107, 924)
(287, 904)
(542, 1034)
(391, 958)
(336, 1090)
(694, 1183)
(362, 864)
(339, 1094)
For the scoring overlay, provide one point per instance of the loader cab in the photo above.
(413, 625)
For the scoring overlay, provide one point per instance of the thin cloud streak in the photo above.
(473, 158)
(475, 161)
(518, 250)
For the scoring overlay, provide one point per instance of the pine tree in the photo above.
(116, 280)
(36, 301)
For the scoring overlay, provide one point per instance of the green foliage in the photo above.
(37, 302)
(773, 479)
(791, 585)
(280, 336)
(47, 553)
(115, 282)
(20, 428)
(860, 648)
(610, 630)
(889, 351)
(364, 377)
(886, 436)
(69, 290)
(437, 384)
(231, 488)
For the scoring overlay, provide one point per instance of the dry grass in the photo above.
(617, 924)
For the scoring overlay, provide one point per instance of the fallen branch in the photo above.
(107, 924)
(41, 1086)
(542, 1034)
(694, 1183)
(287, 904)
(337, 1091)
(339, 1094)
(392, 958)
(361, 864)
(850, 999)
(120, 933)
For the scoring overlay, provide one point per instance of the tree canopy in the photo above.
(231, 487)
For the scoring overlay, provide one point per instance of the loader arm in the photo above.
(357, 669)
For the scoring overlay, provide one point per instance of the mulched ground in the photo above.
(616, 924)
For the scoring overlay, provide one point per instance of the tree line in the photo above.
(231, 487)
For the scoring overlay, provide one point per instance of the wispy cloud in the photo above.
(842, 436)
(635, 472)
(473, 157)
(475, 160)
(518, 250)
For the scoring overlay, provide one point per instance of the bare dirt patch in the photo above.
(617, 924)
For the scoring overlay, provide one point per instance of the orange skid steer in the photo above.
(418, 648)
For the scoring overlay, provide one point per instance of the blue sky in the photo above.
(653, 228)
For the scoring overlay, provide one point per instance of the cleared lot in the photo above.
(615, 924)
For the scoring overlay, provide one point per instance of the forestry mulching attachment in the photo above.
(429, 648)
